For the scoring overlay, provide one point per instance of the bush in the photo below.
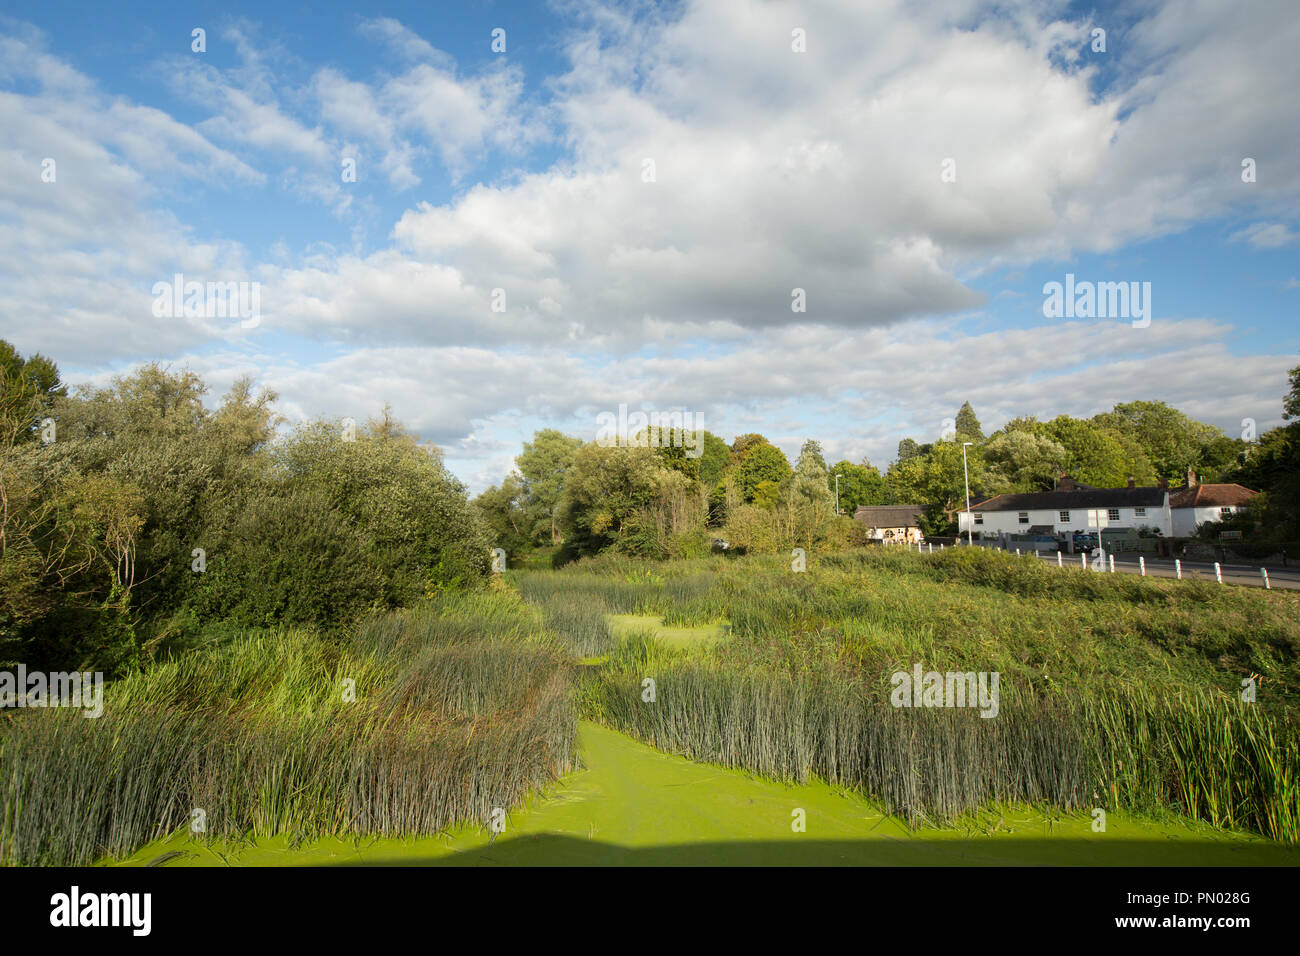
(290, 558)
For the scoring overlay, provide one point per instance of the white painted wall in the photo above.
(997, 522)
(1186, 519)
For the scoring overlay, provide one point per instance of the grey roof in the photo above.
(889, 516)
(1069, 500)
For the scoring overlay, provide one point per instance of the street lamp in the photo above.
(837, 495)
(966, 471)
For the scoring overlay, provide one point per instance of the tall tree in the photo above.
(742, 445)
(714, 460)
(936, 480)
(1021, 460)
(544, 464)
(809, 484)
(1171, 440)
(1291, 401)
(968, 426)
(859, 485)
(31, 385)
(761, 463)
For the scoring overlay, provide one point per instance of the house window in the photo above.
(1112, 514)
(1024, 517)
(1139, 512)
(1064, 516)
(979, 519)
(1225, 512)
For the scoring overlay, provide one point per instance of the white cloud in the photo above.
(1265, 235)
(774, 170)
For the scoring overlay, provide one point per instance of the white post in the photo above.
(940, 545)
(1112, 563)
(1017, 552)
(1083, 560)
(1058, 560)
(1142, 565)
(931, 543)
(966, 476)
(1218, 572)
(1264, 573)
(1178, 569)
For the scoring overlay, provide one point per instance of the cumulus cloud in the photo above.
(706, 171)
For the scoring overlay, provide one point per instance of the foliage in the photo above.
(762, 462)
(859, 485)
(107, 527)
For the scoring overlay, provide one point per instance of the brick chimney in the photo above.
(1164, 484)
(1066, 484)
(1131, 482)
(1191, 477)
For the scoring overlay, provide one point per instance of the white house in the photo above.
(892, 524)
(1198, 503)
(1071, 507)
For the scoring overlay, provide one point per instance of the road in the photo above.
(1247, 574)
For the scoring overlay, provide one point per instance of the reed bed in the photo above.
(1116, 691)
(579, 621)
(460, 707)
(1204, 756)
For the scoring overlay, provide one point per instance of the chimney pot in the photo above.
(1131, 482)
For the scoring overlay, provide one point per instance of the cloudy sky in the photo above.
(618, 207)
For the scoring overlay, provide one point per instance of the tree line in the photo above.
(134, 520)
(583, 498)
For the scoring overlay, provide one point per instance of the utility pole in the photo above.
(966, 472)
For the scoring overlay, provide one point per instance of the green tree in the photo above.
(767, 495)
(31, 385)
(935, 480)
(809, 482)
(1291, 401)
(764, 462)
(714, 460)
(606, 495)
(399, 496)
(1021, 460)
(1169, 439)
(859, 485)
(968, 426)
(504, 508)
(743, 443)
(1096, 455)
(907, 448)
(544, 464)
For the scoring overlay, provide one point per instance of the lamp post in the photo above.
(966, 472)
(837, 496)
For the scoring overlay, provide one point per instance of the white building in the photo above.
(892, 524)
(1071, 507)
(1199, 503)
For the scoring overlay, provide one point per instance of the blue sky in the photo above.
(775, 169)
